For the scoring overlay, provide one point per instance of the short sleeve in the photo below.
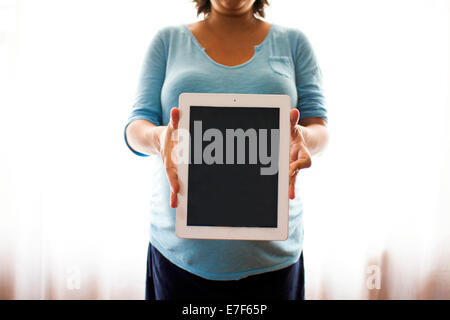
(147, 102)
(308, 77)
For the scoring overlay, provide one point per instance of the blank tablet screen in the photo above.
(230, 148)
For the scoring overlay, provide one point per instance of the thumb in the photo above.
(174, 117)
(294, 116)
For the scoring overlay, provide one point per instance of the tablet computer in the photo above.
(233, 166)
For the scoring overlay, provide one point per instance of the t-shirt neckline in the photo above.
(257, 48)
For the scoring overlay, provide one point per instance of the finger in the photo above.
(301, 163)
(174, 189)
(294, 116)
(172, 176)
(292, 180)
(173, 200)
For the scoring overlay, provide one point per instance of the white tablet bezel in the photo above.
(186, 100)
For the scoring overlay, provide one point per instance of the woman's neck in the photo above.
(231, 24)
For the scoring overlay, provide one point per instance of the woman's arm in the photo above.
(143, 125)
(145, 137)
(309, 136)
(315, 132)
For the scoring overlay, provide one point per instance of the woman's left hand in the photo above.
(299, 156)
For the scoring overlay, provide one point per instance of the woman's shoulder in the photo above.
(168, 36)
(296, 38)
(169, 31)
(294, 34)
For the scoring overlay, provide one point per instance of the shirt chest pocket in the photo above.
(281, 65)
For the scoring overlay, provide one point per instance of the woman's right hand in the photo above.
(167, 144)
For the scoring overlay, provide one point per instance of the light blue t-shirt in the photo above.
(283, 63)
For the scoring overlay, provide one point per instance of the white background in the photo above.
(74, 201)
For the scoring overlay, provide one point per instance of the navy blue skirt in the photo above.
(166, 281)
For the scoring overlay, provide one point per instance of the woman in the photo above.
(233, 51)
